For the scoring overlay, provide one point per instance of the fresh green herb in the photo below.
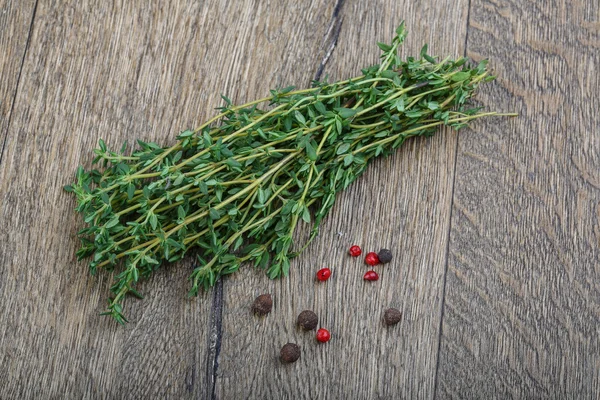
(236, 188)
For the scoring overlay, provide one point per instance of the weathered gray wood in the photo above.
(522, 309)
(15, 23)
(116, 70)
(522, 305)
(402, 203)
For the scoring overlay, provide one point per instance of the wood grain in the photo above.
(518, 225)
(402, 203)
(15, 23)
(116, 70)
(522, 309)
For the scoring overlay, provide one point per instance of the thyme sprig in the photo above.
(236, 187)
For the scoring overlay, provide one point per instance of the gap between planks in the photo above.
(444, 280)
(17, 85)
(216, 320)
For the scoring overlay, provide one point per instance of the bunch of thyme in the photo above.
(236, 187)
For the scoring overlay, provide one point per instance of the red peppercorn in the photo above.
(371, 276)
(323, 335)
(323, 274)
(372, 258)
(355, 251)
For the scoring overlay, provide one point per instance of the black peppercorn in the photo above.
(385, 256)
(392, 316)
(308, 320)
(290, 352)
(263, 304)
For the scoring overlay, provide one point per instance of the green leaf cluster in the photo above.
(234, 190)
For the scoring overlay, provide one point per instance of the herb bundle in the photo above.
(236, 187)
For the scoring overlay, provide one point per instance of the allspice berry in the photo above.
(385, 256)
(290, 352)
(263, 304)
(392, 316)
(308, 320)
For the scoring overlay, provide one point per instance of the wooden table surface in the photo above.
(495, 230)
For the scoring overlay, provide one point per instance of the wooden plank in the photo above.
(522, 309)
(402, 203)
(15, 21)
(116, 70)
